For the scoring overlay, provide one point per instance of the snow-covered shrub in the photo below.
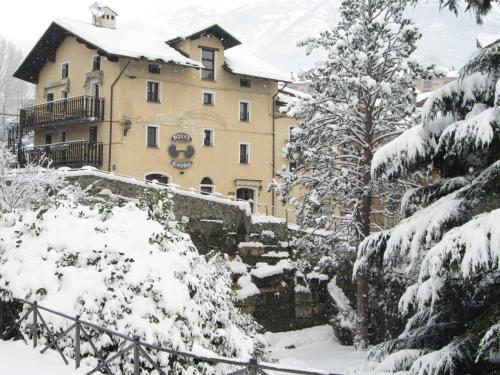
(128, 268)
(26, 187)
(447, 249)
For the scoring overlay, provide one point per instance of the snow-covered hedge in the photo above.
(128, 268)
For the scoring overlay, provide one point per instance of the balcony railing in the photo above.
(74, 154)
(78, 109)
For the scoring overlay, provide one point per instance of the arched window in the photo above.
(158, 177)
(207, 186)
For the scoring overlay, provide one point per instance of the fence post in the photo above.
(136, 355)
(77, 342)
(35, 324)
(252, 370)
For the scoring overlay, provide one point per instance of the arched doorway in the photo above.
(247, 194)
(161, 178)
(207, 186)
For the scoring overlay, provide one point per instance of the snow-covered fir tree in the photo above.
(362, 99)
(447, 249)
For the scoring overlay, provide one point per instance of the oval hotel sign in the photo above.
(181, 137)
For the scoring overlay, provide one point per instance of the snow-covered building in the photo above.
(194, 108)
(428, 85)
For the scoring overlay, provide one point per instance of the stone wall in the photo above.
(212, 224)
(286, 300)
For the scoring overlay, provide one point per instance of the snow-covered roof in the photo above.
(137, 41)
(240, 61)
(484, 39)
(142, 42)
(228, 40)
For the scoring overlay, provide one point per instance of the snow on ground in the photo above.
(313, 348)
(20, 359)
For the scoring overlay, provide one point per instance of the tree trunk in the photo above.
(362, 307)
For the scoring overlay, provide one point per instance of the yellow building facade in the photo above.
(193, 114)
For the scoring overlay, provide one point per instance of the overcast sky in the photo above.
(271, 28)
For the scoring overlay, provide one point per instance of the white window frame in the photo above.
(249, 110)
(239, 153)
(215, 64)
(69, 65)
(203, 98)
(205, 185)
(92, 63)
(160, 91)
(213, 138)
(157, 136)
(161, 173)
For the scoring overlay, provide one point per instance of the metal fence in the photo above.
(131, 346)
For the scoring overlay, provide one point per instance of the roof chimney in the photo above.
(103, 16)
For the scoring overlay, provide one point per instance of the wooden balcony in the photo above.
(79, 109)
(74, 154)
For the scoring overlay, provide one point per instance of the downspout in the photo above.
(274, 142)
(111, 112)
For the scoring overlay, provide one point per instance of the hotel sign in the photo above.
(181, 137)
(181, 164)
(181, 155)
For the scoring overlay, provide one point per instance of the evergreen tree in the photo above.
(447, 249)
(363, 98)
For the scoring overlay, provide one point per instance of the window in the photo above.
(244, 82)
(158, 177)
(292, 166)
(153, 91)
(208, 98)
(208, 137)
(152, 136)
(112, 17)
(154, 68)
(244, 111)
(96, 63)
(50, 99)
(93, 134)
(244, 153)
(48, 138)
(207, 186)
(63, 137)
(427, 84)
(64, 94)
(208, 61)
(64, 70)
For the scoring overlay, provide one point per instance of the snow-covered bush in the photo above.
(128, 268)
(447, 249)
(26, 187)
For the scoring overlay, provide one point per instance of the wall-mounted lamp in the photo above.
(127, 124)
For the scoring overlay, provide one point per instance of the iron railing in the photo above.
(75, 154)
(133, 346)
(77, 109)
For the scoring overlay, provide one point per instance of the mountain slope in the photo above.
(272, 28)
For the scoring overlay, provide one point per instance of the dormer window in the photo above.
(208, 61)
(64, 70)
